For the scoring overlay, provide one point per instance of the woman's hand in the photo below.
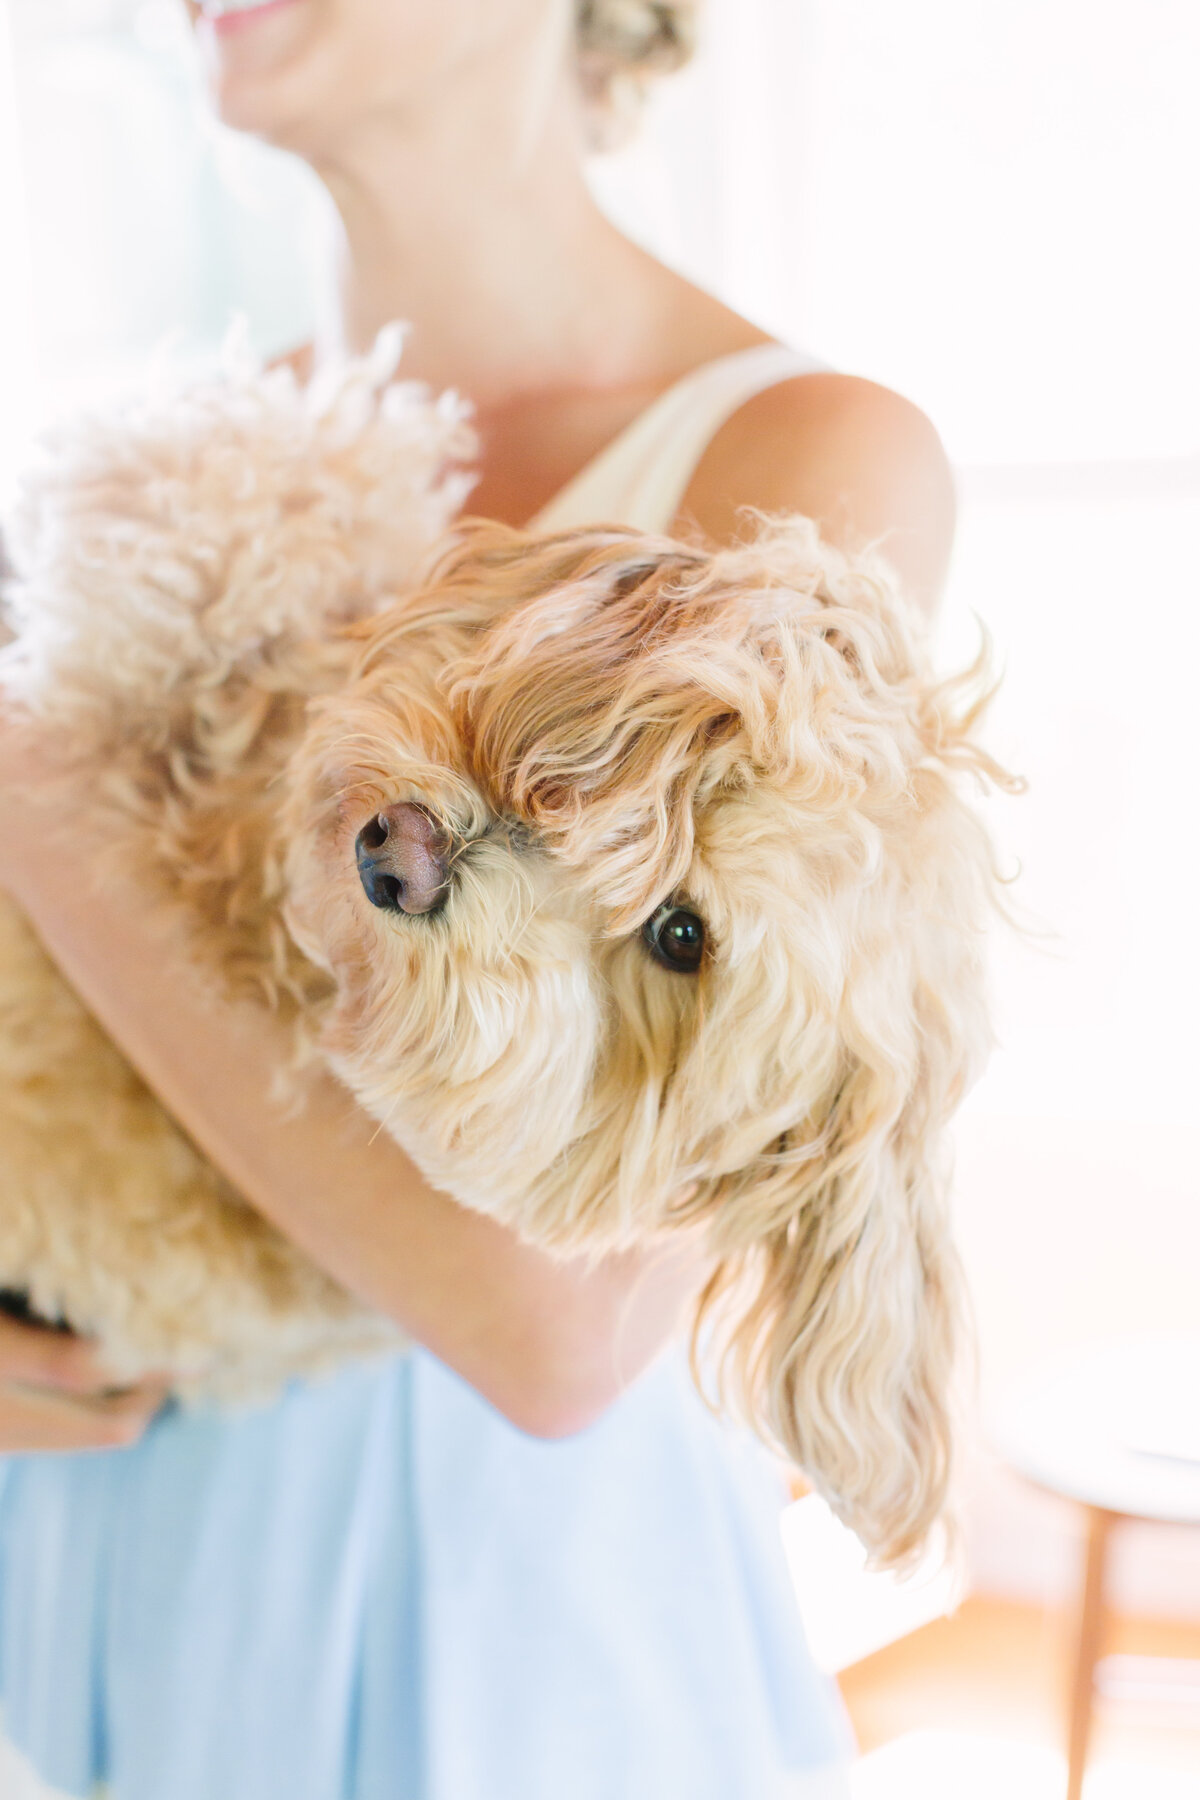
(54, 1395)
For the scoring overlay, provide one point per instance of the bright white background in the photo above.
(992, 208)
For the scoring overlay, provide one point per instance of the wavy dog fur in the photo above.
(607, 722)
(598, 723)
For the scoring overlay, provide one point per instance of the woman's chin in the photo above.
(255, 58)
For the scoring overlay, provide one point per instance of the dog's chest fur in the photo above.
(160, 554)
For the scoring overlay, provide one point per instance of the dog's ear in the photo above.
(836, 1329)
(834, 1314)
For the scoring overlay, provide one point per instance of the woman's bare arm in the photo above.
(863, 462)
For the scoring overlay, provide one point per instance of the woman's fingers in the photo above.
(55, 1394)
(50, 1359)
(33, 1419)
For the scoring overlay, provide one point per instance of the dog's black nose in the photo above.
(403, 860)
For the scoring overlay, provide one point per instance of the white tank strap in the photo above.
(641, 477)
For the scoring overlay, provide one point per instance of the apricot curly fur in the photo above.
(599, 722)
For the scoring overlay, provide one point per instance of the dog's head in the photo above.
(650, 898)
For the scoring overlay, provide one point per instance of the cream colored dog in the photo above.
(626, 883)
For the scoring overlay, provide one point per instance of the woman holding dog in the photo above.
(526, 1566)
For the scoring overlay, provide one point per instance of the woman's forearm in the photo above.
(551, 1344)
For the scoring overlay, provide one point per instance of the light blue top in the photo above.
(377, 1589)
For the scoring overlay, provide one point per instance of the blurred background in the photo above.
(994, 210)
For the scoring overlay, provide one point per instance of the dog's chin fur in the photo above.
(600, 723)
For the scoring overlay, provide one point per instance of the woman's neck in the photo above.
(488, 242)
(472, 220)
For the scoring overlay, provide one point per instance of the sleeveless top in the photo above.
(378, 1589)
(640, 478)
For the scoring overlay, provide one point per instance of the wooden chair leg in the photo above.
(1092, 1620)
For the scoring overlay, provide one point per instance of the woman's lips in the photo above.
(232, 15)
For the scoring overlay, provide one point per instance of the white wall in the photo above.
(135, 218)
(16, 396)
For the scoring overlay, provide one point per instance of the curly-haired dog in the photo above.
(626, 883)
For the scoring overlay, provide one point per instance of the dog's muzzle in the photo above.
(403, 860)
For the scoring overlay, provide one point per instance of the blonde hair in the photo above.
(622, 46)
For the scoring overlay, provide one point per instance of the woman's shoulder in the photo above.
(862, 461)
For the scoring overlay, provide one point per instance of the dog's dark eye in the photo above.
(675, 938)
